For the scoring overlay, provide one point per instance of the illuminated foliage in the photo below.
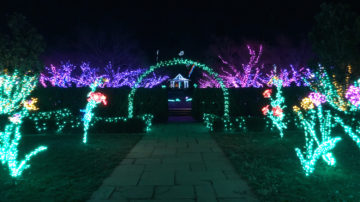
(320, 82)
(252, 74)
(14, 90)
(66, 76)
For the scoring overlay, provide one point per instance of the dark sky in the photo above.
(169, 25)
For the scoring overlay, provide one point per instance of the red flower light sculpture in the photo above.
(277, 111)
(267, 93)
(265, 109)
(97, 97)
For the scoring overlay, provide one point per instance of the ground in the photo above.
(68, 170)
(175, 162)
(181, 162)
(270, 166)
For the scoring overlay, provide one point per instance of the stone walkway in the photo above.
(175, 162)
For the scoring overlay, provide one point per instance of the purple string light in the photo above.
(67, 75)
(252, 74)
(317, 98)
(353, 95)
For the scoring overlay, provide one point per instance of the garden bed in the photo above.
(273, 171)
(68, 170)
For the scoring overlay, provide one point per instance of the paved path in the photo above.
(175, 162)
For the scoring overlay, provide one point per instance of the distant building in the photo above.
(179, 82)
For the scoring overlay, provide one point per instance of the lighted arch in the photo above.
(180, 61)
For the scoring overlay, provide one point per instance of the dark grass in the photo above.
(273, 171)
(68, 170)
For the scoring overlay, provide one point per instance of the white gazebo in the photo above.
(179, 82)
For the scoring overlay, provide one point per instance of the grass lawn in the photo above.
(273, 171)
(68, 170)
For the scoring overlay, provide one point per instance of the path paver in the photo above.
(175, 162)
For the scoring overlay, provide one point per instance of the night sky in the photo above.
(170, 26)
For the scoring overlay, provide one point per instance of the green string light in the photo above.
(13, 91)
(276, 114)
(209, 120)
(62, 117)
(93, 101)
(147, 118)
(241, 122)
(321, 82)
(181, 61)
(316, 122)
(348, 130)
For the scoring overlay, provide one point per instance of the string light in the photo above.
(209, 120)
(62, 117)
(277, 105)
(265, 110)
(348, 130)
(267, 93)
(66, 75)
(306, 103)
(241, 122)
(13, 91)
(191, 70)
(315, 121)
(30, 104)
(320, 82)
(252, 74)
(147, 118)
(296, 108)
(181, 61)
(94, 98)
(353, 95)
(317, 98)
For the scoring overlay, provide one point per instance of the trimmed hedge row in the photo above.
(146, 101)
(243, 101)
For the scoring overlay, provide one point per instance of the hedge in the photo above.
(243, 101)
(146, 101)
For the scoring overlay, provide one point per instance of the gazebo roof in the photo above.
(179, 77)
